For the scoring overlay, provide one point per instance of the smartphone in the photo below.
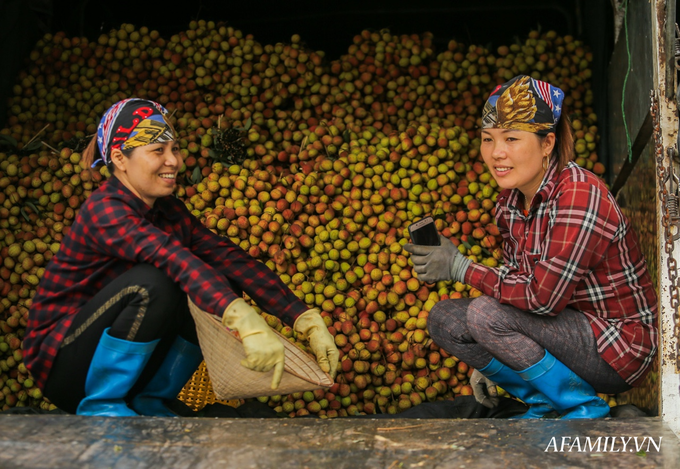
(424, 232)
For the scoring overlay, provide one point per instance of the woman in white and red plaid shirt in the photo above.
(573, 311)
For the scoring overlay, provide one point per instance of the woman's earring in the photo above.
(545, 163)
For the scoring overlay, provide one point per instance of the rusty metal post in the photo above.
(665, 138)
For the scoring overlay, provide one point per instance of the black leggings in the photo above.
(477, 330)
(141, 305)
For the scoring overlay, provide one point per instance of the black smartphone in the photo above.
(424, 232)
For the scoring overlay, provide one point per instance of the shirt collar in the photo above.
(132, 199)
(162, 205)
(543, 192)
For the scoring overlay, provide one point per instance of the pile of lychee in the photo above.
(314, 166)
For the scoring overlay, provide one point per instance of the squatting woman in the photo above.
(109, 330)
(572, 311)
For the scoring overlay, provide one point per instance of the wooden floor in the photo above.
(66, 441)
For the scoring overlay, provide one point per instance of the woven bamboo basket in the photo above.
(223, 352)
(198, 391)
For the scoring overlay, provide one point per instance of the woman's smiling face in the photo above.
(515, 158)
(150, 171)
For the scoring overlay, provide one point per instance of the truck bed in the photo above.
(67, 441)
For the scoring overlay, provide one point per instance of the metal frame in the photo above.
(663, 14)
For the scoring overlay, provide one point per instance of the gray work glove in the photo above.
(435, 263)
(484, 390)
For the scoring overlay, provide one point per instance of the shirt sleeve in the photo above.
(582, 224)
(120, 232)
(246, 273)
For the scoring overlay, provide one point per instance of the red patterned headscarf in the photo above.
(132, 123)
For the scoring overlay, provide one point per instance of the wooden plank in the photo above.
(87, 442)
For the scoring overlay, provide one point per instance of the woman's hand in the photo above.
(310, 325)
(263, 348)
(435, 263)
(484, 390)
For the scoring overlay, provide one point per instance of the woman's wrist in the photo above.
(459, 268)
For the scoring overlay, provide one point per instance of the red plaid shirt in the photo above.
(115, 230)
(576, 249)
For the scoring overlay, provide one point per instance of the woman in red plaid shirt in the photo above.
(110, 331)
(573, 310)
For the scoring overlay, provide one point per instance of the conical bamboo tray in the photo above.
(223, 352)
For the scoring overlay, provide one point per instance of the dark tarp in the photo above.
(22, 23)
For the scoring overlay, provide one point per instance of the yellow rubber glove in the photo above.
(310, 325)
(264, 350)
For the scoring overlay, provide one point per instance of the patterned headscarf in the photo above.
(132, 123)
(524, 103)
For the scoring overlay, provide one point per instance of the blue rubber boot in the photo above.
(508, 379)
(115, 367)
(179, 364)
(569, 394)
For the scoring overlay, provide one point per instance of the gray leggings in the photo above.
(476, 330)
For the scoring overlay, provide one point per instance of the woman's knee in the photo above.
(483, 315)
(157, 295)
(156, 283)
(446, 316)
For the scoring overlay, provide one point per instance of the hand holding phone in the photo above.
(435, 261)
(424, 232)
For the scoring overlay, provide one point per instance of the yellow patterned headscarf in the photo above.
(524, 103)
